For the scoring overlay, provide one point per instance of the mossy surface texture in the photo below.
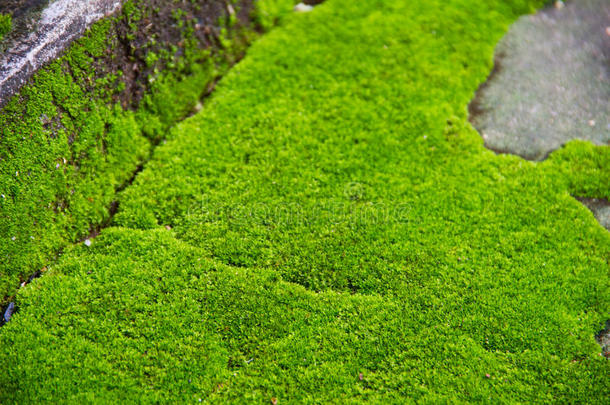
(81, 127)
(329, 228)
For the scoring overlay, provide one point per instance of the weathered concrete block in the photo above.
(59, 23)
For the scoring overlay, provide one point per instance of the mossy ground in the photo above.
(330, 228)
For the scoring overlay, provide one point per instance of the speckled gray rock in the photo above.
(52, 30)
(550, 83)
(600, 208)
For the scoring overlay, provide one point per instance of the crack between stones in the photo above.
(11, 307)
(8, 310)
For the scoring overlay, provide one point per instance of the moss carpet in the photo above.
(330, 228)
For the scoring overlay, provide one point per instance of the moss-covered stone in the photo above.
(81, 127)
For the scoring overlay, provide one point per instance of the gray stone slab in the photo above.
(49, 32)
(550, 83)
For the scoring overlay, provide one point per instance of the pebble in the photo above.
(9, 312)
(303, 8)
(591, 123)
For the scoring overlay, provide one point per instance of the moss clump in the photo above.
(338, 233)
(5, 25)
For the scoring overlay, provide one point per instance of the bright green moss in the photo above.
(268, 12)
(338, 234)
(5, 25)
(585, 167)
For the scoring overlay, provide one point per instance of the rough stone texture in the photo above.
(131, 40)
(550, 83)
(600, 208)
(57, 25)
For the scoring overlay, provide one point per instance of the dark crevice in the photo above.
(475, 107)
(113, 208)
(603, 338)
(208, 91)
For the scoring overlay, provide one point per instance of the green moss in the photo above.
(66, 145)
(5, 25)
(338, 233)
(585, 167)
(267, 13)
